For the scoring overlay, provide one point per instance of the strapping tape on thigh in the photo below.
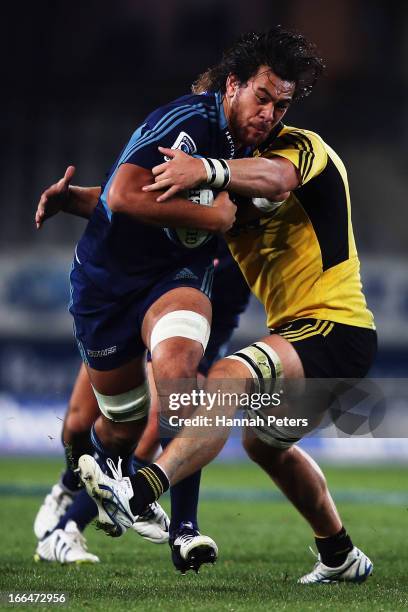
(129, 406)
(262, 362)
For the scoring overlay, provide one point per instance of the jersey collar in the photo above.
(222, 120)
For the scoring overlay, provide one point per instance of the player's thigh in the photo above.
(118, 380)
(292, 366)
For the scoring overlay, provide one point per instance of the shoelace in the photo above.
(116, 471)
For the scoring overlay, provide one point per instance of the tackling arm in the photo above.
(259, 177)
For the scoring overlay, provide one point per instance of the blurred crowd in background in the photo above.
(77, 79)
(79, 76)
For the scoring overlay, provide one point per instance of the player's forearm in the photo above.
(81, 201)
(260, 177)
(176, 212)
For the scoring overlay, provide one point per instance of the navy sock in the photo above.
(82, 510)
(184, 498)
(70, 480)
(148, 484)
(103, 454)
(138, 463)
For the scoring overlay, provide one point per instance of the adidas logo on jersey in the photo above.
(185, 273)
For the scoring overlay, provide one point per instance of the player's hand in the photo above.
(226, 210)
(181, 172)
(54, 198)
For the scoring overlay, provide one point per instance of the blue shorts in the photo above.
(230, 297)
(108, 328)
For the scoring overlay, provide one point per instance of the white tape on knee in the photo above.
(183, 323)
(261, 360)
(130, 406)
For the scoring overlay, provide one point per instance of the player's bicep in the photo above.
(288, 173)
(127, 185)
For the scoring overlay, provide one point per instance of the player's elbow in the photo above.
(116, 199)
(270, 186)
(276, 177)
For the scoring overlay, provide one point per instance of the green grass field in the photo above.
(263, 547)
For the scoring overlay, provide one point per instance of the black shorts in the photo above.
(331, 350)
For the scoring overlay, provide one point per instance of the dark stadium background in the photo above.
(78, 77)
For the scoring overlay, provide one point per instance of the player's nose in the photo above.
(268, 112)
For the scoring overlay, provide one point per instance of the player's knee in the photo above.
(261, 453)
(224, 368)
(250, 447)
(180, 357)
(269, 456)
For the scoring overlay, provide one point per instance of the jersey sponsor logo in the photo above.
(184, 143)
(230, 141)
(102, 352)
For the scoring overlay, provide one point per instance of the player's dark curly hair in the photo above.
(289, 54)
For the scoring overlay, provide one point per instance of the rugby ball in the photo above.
(188, 237)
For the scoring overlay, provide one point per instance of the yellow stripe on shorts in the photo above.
(322, 327)
(294, 335)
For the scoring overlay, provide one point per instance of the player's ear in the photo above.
(231, 85)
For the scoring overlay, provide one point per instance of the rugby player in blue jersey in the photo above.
(67, 510)
(133, 288)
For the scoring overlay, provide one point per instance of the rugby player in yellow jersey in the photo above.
(295, 247)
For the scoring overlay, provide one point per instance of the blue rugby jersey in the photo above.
(118, 253)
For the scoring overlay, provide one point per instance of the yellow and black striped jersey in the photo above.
(300, 260)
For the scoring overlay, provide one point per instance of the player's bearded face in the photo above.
(255, 107)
